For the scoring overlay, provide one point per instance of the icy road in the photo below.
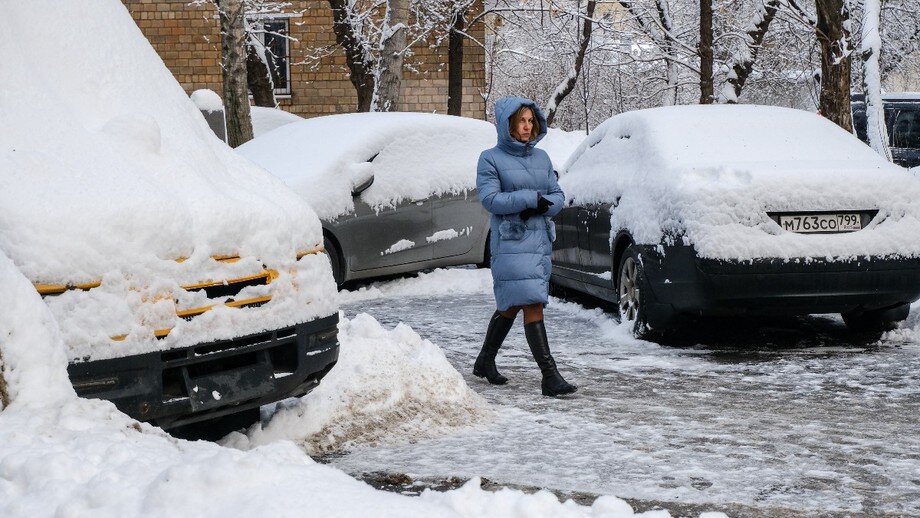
(790, 414)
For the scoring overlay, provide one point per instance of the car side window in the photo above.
(905, 128)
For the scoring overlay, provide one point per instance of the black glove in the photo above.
(542, 206)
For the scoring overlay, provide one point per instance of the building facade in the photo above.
(312, 76)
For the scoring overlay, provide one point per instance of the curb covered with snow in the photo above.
(388, 386)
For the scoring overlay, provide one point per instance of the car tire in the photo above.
(557, 290)
(878, 320)
(632, 292)
(335, 259)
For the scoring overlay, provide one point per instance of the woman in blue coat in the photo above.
(517, 185)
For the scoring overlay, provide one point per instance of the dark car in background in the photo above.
(902, 119)
(696, 211)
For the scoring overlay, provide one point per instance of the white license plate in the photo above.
(810, 223)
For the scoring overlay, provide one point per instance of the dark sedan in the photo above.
(727, 210)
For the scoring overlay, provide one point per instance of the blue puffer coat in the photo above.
(510, 178)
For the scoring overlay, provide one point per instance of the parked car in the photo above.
(728, 210)
(902, 119)
(188, 285)
(396, 192)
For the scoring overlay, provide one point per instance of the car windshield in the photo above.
(905, 127)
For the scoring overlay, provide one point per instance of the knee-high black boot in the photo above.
(495, 335)
(553, 384)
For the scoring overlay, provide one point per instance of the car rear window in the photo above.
(905, 127)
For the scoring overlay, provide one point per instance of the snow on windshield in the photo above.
(114, 177)
(709, 175)
(410, 155)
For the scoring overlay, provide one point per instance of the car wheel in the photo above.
(557, 290)
(877, 320)
(632, 291)
(335, 259)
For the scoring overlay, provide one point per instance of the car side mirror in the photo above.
(362, 187)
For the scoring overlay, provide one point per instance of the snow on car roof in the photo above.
(683, 137)
(269, 119)
(415, 155)
(100, 166)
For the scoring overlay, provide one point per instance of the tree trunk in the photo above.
(392, 49)
(668, 45)
(834, 39)
(706, 57)
(568, 84)
(233, 62)
(876, 129)
(741, 69)
(356, 56)
(455, 66)
(259, 77)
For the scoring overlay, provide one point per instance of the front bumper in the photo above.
(187, 385)
(683, 283)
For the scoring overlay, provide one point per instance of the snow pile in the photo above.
(388, 386)
(33, 367)
(471, 501)
(115, 177)
(268, 119)
(207, 100)
(560, 144)
(439, 282)
(710, 174)
(410, 156)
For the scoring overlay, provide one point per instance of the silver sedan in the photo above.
(396, 192)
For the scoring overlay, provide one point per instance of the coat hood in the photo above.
(504, 109)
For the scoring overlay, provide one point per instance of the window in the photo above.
(273, 35)
(905, 127)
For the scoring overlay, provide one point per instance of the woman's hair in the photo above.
(519, 113)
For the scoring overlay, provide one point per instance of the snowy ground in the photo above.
(790, 414)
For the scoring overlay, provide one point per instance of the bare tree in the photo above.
(455, 64)
(568, 84)
(387, 87)
(742, 63)
(233, 61)
(347, 25)
(872, 79)
(834, 39)
(707, 89)
(259, 78)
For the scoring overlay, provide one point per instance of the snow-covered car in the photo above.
(189, 285)
(713, 210)
(902, 120)
(396, 192)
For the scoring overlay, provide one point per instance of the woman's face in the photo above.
(523, 126)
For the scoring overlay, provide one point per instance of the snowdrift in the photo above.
(709, 175)
(389, 386)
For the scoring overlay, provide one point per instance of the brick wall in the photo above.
(188, 40)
